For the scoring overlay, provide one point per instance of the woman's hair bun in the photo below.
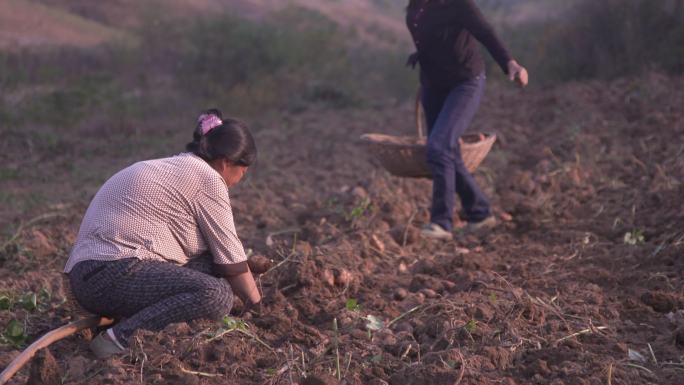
(216, 137)
(208, 120)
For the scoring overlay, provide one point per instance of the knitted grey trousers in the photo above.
(150, 295)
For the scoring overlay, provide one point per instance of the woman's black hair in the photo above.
(231, 140)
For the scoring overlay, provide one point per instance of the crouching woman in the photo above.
(158, 244)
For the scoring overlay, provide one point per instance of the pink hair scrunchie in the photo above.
(208, 122)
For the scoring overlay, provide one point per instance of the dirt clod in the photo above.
(44, 369)
(259, 264)
(679, 337)
(400, 294)
(328, 277)
(343, 277)
(320, 379)
(660, 302)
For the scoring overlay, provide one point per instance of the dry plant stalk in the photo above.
(610, 374)
(462, 371)
(579, 333)
(197, 373)
(337, 351)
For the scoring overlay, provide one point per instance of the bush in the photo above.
(605, 39)
(291, 61)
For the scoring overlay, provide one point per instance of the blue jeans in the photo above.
(449, 113)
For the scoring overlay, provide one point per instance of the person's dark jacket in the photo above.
(445, 34)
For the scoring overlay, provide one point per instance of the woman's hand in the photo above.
(517, 73)
(244, 286)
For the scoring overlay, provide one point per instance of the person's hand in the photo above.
(253, 309)
(412, 60)
(517, 73)
(244, 287)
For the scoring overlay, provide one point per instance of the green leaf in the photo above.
(5, 302)
(29, 301)
(14, 333)
(230, 322)
(471, 326)
(14, 329)
(352, 305)
(44, 295)
(359, 210)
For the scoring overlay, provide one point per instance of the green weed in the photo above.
(471, 326)
(634, 237)
(28, 301)
(14, 334)
(359, 209)
(352, 305)
(5, 302)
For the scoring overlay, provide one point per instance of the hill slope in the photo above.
(87, 23)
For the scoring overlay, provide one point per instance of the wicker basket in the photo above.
(405, 156)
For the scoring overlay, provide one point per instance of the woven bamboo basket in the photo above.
(406, 156)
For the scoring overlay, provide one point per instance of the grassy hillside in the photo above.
(25, 23)
(87, 23)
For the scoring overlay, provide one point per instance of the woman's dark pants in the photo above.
(150, 294)
(448, 113)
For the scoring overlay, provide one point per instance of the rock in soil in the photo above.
(318, 380)
(77, 367)
(659, 301)
(400, 294)
(679, 336)
(259, 264)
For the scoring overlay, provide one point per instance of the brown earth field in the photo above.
(580, 283)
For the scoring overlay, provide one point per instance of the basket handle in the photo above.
(420, 115)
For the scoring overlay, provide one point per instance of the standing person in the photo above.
(452, 77)
(158, 244)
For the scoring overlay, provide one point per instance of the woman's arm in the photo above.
(240, 278)
(477, 25)
(244, 286)
(474, 21)
(214, 217)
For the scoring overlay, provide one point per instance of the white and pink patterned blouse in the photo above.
(169, 209)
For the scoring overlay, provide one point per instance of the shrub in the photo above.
(295, 59)
(604, 39)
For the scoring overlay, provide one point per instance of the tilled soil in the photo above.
(580, 283)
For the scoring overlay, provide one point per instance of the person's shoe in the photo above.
(105, 345)
(485, 224)
(435, 231)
